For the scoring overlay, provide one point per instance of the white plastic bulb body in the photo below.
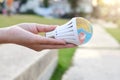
(69, 32)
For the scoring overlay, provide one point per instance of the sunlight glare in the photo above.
(94, 2)
(109, 2)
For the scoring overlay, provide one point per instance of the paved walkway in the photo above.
(97, 60)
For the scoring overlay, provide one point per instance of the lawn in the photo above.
(65, 55)
(8, 21)
(115, 33)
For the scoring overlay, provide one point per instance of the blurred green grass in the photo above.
(11, 20)
(115, 33)
(65, 55)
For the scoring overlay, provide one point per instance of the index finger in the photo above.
(45, 40)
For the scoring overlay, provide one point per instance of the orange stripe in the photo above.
(9, 3)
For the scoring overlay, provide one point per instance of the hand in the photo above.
(26, 34)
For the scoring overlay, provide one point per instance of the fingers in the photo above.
(36, 28)
(44, 40)
(41, 47)
(45, 28)
(57, 46)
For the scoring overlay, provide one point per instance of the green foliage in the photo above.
(65, 57)
(46, 3)
(73, 4)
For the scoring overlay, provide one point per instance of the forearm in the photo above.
(3, 35)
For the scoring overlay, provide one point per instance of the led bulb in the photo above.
(77, 31)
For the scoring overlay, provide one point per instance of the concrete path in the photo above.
(97, 60)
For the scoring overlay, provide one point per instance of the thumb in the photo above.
(45, 28)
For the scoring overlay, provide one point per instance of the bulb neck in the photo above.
(50, 34)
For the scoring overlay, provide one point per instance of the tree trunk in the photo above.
(46, 3)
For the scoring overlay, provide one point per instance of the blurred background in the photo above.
(102, 13)
(62, 8)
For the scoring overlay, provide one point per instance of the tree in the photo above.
(97, 9)
(46, 3)
(74, 5)
(21, 3)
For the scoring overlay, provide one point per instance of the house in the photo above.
(56, 8)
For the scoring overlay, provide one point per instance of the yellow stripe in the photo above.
(1, 1)
(82, 23)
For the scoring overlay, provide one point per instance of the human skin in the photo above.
(26, 34)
